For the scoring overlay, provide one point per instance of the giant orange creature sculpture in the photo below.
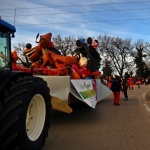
(48, 58)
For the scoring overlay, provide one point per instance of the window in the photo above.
(4, 51)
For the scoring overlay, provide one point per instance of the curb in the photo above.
(144, 100)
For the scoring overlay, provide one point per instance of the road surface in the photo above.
(107, 127)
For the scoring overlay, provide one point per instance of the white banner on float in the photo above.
(89, 91)
(102, 90)
(85, 89)
(59, 86)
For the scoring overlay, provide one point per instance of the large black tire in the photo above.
(25, 114)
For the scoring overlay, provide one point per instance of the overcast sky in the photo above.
(123, 18)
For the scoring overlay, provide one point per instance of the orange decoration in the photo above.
(46, 62)
(49, 58)
(83, 76)
(14, 57)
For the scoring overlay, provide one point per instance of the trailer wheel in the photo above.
(25, 114)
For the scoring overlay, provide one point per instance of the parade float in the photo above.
(47, 80)
(68, 77)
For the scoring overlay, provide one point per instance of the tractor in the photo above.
(25, 101)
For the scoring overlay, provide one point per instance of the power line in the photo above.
(80, 22)
(83, 5)
(82, 12)
(88, 11)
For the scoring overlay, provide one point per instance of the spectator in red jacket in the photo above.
(109, 82)
(138, 82)
(130, 83)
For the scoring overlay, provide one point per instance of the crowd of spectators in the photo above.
(132, 80)
(117, 84)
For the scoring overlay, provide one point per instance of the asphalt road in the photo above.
(107, 127)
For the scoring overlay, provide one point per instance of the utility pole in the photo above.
(15, 18)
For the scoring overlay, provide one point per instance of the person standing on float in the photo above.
(93, 56)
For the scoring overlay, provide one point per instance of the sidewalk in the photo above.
(145, 97)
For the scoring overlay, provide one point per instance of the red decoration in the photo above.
(59, 65)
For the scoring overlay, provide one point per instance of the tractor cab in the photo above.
(6, 32)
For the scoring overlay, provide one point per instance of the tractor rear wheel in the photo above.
(25, 114)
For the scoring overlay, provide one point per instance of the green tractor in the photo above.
(25, 102)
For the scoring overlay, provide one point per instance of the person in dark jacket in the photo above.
(93, 57)
(81, 47)
(125, 84)
(116, 87)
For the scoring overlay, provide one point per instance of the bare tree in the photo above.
(65, 45)
(118, 50)
(20, 48)
(20, 51)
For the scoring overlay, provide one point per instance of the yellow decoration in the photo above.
(83, 61)
(60, 105)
